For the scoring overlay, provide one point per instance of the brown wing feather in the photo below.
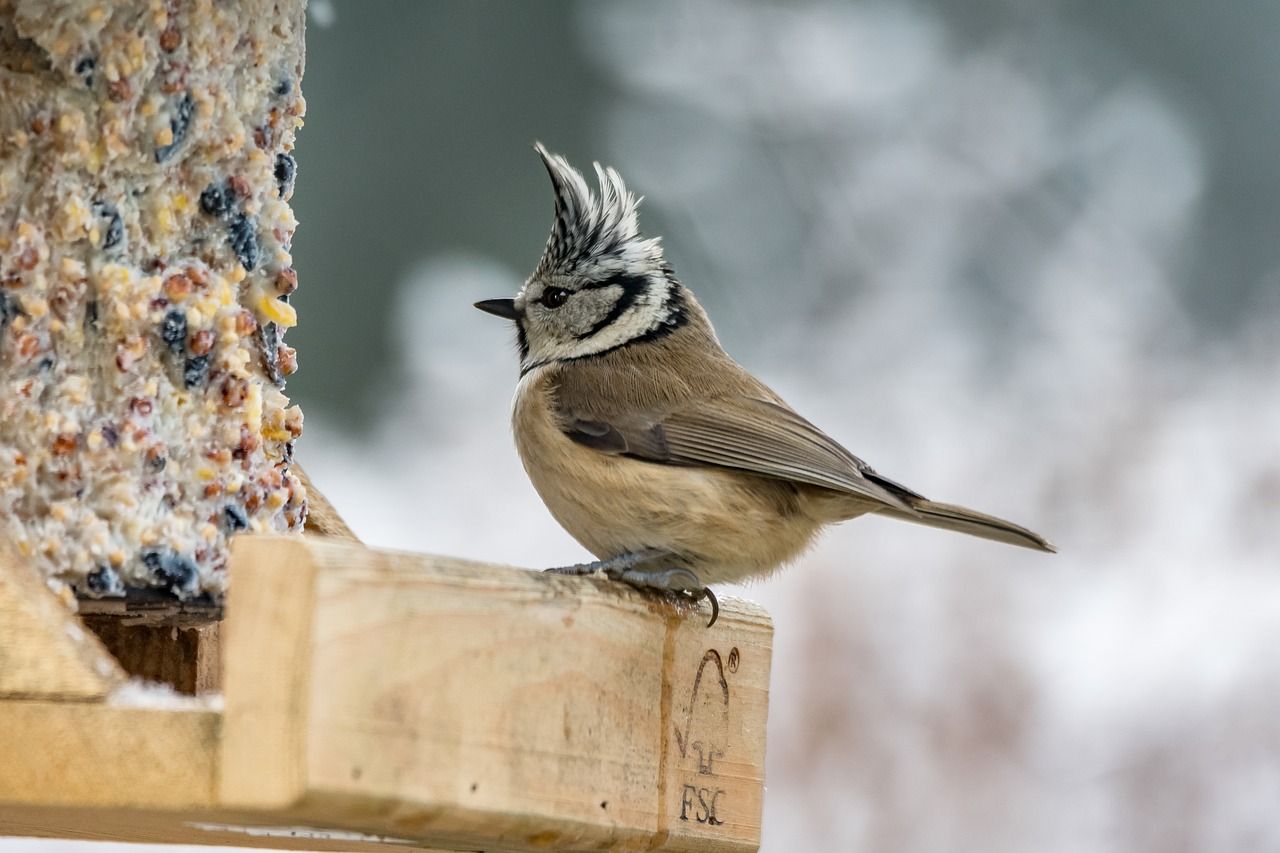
(708, 411)
(765, 438)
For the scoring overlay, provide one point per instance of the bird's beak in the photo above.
(505, 308)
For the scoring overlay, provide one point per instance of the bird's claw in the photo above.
(705, 592)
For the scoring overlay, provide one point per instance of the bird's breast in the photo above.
(725, 525)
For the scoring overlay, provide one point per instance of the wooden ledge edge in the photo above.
(444, 700)
(534, 584)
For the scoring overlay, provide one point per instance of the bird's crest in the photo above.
(594, 230)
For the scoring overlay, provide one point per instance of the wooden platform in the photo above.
(377, 700)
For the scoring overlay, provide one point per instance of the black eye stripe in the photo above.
(632, 286)
(627, 282)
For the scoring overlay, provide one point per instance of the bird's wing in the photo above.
(742, 433)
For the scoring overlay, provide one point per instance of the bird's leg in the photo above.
(678, 581)
(612, 567)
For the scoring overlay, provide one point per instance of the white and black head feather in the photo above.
(595, 229)
(600, 284)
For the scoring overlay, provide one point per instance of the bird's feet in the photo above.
(626, 568)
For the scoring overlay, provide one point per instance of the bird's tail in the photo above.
(961, 520)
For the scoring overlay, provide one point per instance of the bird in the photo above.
(661, 455)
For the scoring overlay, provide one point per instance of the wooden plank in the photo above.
(184, 827)
(267, 650)
(44, 650)
(95, 754)
(185, 658)
(155, 607)
(482, 707)
(118, 771)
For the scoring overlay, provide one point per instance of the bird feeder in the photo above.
(180, 660)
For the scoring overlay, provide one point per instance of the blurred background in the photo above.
(1018, 255)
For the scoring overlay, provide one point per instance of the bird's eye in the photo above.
(554, 297)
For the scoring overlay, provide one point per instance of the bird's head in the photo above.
(600, 284)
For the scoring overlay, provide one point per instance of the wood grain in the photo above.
(268, 655)
(95, 754)
(188, 659)
(44, 650)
